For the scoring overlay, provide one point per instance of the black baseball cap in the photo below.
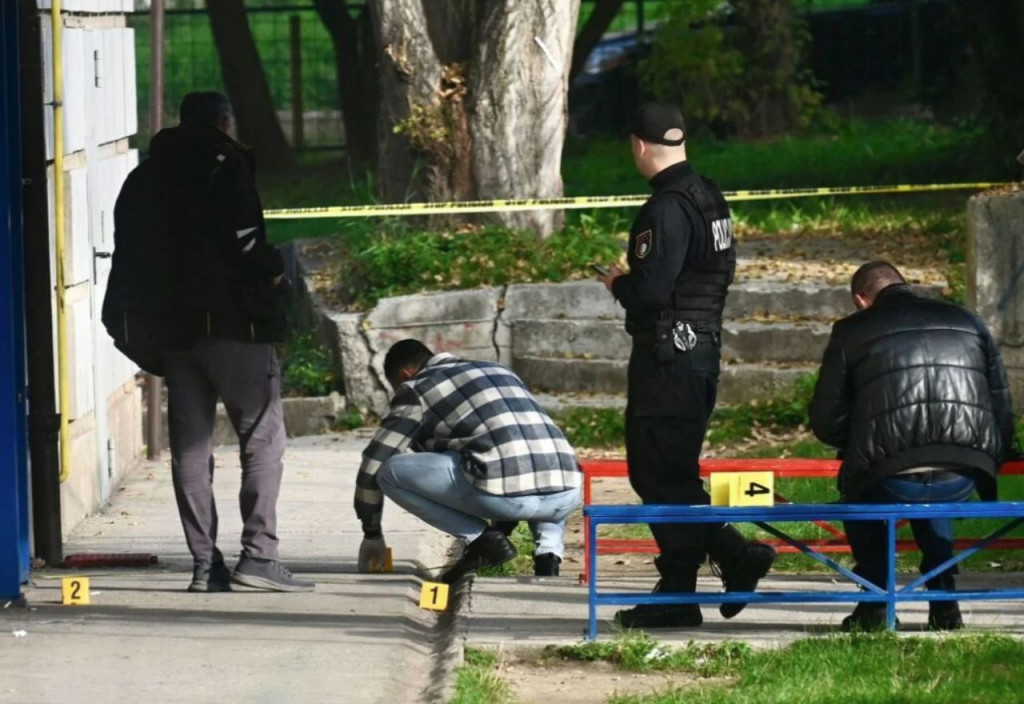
(659, 123)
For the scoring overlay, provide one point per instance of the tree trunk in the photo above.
(410, 77)
(519, 108)
(355, 58)
(596, 25)
(246, 83)
(474, 101)
(770, 40)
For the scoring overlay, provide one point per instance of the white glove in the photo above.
(373, 553)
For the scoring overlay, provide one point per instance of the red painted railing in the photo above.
(796, 468)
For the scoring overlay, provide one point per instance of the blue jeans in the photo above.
(432, 486)
(933, 536)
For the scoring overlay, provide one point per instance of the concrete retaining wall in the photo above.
(995, 276)
(569, 337)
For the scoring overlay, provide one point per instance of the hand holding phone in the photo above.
(602, 270)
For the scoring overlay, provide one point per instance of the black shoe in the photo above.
(645, 616)
(744, 572)
(866, 618)
(492, 548)
(666, 615)
(944, 616)
(207, 577)
(546, 565)
(270, 575)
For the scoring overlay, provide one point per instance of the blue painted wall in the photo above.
(14, 526)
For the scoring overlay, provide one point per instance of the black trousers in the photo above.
(668, 409)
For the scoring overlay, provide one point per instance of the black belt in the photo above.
(936, 475)
(648, 337)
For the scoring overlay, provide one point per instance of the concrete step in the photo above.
(739, 382)
(584, 340)
(588, 300)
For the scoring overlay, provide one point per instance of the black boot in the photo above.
(741, 564)
(944, 615)
(675, 578)
(867, 617)
(546, 565)
(489, 549)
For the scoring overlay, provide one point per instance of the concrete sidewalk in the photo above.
(357, 638)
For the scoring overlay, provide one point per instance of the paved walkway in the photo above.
(357, 638)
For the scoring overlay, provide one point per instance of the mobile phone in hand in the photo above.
(602, 270)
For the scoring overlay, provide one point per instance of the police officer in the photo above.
(681, 261)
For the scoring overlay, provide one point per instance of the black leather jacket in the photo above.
(912, 382)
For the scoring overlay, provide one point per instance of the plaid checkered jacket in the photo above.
(481, 410)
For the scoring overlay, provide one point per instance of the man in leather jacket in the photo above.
(914, 394)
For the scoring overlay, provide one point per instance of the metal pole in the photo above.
(639, 21)
(154, 385)
(298, 131)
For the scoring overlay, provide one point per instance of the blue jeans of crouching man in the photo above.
(934, 537)
(433, 487)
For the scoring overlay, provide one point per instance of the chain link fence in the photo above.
(852, 49)
(191, 63)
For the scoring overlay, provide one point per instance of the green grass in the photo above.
(866, 670)
(839, 669)
(306, 367)
(636, 651)
(394, 256)
(476, 682)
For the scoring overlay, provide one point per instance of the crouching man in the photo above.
(913, 393)
(465, 443)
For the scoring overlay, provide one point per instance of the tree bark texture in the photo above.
(474, 101)
(355, 56)
(246, 83)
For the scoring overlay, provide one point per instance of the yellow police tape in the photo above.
(508, 205)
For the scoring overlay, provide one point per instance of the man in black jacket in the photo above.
(914, 394)
(220, 284)
(682, 259)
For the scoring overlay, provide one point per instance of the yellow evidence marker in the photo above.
(434, 596)
(74, 591)
(743, 489)
(388, 566)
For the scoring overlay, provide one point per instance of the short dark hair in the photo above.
(872, 277)
(405, 353)
(205, 108)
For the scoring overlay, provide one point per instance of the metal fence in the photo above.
(191, 63)
(856, 44)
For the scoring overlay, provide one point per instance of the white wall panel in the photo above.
(74, 89)
(82, 361)
(76, 77)
(77, 239)
(131, 100)
(113, 84)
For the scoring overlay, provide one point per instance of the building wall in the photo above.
(99, 117)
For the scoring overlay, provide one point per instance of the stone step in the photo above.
(588, 300)
(607, 340)
(739, 382)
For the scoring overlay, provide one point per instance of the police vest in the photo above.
(710, 263)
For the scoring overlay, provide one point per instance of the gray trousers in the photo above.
(246, 376)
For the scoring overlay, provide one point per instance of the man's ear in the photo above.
(861, 301)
